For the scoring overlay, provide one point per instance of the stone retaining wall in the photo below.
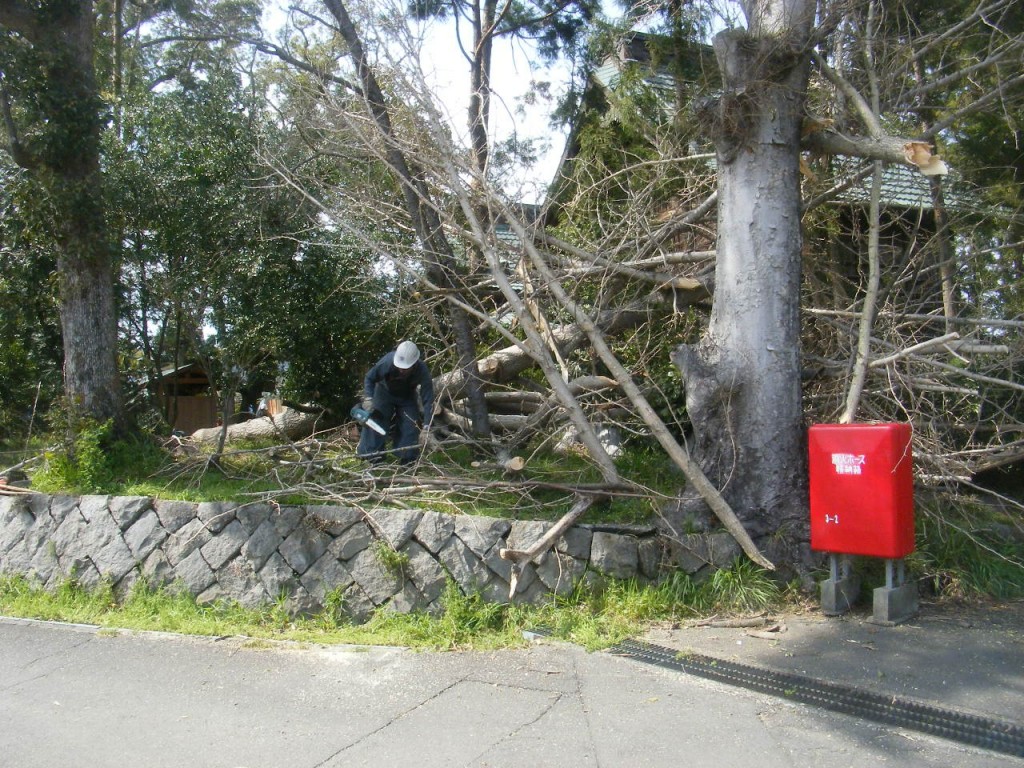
(259, 553)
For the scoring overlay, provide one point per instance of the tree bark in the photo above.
(63, 157)
(289, 423)
(743, 390)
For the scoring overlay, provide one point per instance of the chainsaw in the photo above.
(362, 416)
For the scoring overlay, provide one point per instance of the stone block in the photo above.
(44, 564)
(16, 560)
(73, 561)
(252, 515)
(241, 583)
(186, 540)
(174, 514)
(278, 577)
(894, 605)
(535, 594)
(303, 547)
(213, 594)
(499, 566)
(503, 568)
(225, 545)
(126, 510)
(649, 553)
(145, 535)
(38, 505)
(463, 565)
(838, 596)
(434, 530)
(91, 506)
(694, 551)
(525, 533)
(614, 555)
(114, 560)
(85, 574)
(324, 576)
(495, 590)
(407, 600)
(19, 522)
(300, 603)
(425, 572)
(576, 543)
(480, 534)
(194, 573)
(216, 514)
(123, 588)
(156, 570)
(357, 605)
(332, 519)
(10, 506)
(527, 580)
(39, 533)
(376, 580)
(351, 542)
(560, 573)
(61, 507)
(262, 544)
(287, 519)
(397, 525)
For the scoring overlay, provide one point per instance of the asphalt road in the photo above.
(73, 696)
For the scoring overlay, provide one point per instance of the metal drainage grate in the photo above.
(988, 733)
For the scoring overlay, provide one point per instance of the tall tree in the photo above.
(743, 379)
(54, 117)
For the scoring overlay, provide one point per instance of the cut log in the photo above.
(289, 423)
(499, 422)
(511, 465)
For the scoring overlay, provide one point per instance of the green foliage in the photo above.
(743, 587)
(394, 561)
(31, 355)
(96, 462)
(967, 550)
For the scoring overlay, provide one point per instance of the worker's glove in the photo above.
(368, 404)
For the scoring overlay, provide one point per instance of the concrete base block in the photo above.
(839, 595)
(894, 605)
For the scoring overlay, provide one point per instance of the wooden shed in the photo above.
(189, 403)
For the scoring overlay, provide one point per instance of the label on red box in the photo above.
(862, 489)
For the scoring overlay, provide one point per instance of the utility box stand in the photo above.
(897, 600)
(862, 503)
(841, 589)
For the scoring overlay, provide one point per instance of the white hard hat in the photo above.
(406, 355)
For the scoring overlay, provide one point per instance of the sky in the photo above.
(511, 79)
(448, 72)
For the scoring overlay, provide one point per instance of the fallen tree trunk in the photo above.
(289, 424)
(506, 364)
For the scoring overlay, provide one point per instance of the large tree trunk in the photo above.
(743, 379)
(63, 157)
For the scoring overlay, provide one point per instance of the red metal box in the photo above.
(862, 489)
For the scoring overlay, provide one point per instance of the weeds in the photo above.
(597, 614)
(963, 552)
(391, 559)
(96, 462)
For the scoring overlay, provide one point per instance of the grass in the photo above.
(140, 467)
(598, 614)
(968, 550)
